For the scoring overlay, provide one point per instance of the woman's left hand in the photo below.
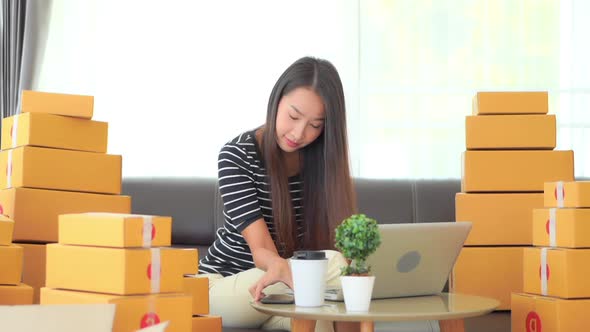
(279, 271)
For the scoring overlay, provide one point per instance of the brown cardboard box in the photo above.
(132, 312)
(34, 267)
(574, 193)
(206, 324)
(46, 168)
(113, 270)
(514, 171)
(198, 288)
(6, 230)
(115, 230)
(531, 313)
(504, 102)
(11, 265)
(510, 132)
(57, 103)
(567, 272)
(189, 260)
(54, 131)
(36, 211)
(571, 228)
(16, 295)
(492, 214)
(493, 272)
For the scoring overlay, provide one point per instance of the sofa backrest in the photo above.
(196, 208)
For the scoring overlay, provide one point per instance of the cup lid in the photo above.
(309, 255)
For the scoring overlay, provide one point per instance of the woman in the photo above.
(285, 186)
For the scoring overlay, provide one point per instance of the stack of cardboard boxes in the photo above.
(510, 155)
(54, 161)
(123, 259)
(198, 288)
(557, 291)
(12, 291)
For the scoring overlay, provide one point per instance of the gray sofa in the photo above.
(195, 206)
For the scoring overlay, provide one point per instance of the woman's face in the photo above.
(300, 119)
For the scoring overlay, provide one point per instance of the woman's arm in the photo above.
(266, 258)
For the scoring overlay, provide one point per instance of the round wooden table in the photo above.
(448, 308)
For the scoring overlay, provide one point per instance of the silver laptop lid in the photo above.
(416, 259)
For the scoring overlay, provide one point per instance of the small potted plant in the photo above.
(357, 237)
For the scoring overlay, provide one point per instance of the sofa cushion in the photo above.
(387, 201)
(434, 200)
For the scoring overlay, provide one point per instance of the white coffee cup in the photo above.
(309, 277)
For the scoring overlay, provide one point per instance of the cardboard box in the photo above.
(57, 103)
(492, 214)
(510, 132)
(6, 230)
(115, 230)
(34, 267)
(54, 131)
(514, 171)
(493, 272)
(16, 295)
(113, 270)
(189, 260)
(36, 211)
(573, 194)
(198, 289)
(58, 318)
(132, 312)
(207, 324)
(566, 274)
(46, 168)
(568, 228)
(531, 313)
(11, 265)
(505, 102)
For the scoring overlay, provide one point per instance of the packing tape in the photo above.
(560, 193)
(544, 271)
(14, 132)
(155, 281)
(553, 227)
(9, 170)
(148, 224)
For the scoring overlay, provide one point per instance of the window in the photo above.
(423, 61)
(176, 81)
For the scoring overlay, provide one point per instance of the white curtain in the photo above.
(176, 81)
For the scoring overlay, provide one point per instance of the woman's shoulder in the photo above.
(244, 144)
(244, 139)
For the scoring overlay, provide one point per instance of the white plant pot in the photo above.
(357, 292)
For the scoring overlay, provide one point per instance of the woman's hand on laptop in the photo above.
(278, 271)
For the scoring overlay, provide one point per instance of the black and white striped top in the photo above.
(245, 191)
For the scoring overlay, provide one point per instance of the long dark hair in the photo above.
(328, 195)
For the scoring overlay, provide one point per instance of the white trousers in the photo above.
(229, 297)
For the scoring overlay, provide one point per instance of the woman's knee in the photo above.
(335, 259)
(235, 311)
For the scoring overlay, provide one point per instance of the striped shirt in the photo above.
(245, 191)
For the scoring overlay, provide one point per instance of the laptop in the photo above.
(414, 259)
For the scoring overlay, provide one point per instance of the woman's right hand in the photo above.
(266, 258)
(278, 270)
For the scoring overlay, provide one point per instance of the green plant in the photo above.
(357, 237)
